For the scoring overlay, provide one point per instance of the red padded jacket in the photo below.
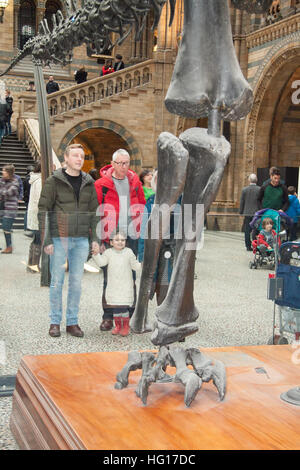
(108, 200)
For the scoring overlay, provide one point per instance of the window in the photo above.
(27, 20)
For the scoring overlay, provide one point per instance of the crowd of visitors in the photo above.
(273, 194)
(104, 214)
(109, 67)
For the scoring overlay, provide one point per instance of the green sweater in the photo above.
(61, 214)
(273, 197)
(148, 192)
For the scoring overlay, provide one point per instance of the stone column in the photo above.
(16, 21)
(40, 12)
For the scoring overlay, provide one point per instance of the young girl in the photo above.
(267, 236)
(119, 293)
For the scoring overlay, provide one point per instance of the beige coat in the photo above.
(35, 182)
(119, 290)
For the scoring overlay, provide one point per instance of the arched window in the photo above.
(51, 8)
(27, 20)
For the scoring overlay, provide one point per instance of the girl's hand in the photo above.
(95, 248)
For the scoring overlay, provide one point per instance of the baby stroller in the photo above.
(284, 289)
(262, 255)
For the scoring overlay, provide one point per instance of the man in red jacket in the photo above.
(121, 199)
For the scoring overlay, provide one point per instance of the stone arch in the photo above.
(134, 149)
(272, 75)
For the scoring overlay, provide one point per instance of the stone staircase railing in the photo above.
(100, 88)
(32, 140)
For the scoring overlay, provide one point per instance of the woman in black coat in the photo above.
(81, 76)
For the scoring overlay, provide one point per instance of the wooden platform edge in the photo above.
(35, 422)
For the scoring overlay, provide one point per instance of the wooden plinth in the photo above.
(69, 402)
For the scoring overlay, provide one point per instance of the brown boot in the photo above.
(75, 330)
(54, 331)
(106, 325)
(30, 263)
(34, 259)
(7, 251)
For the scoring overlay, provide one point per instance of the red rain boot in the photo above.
(125, 329)
(118, 325)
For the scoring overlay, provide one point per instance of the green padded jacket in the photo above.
(61, 215)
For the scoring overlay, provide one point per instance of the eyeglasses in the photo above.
(122, 163)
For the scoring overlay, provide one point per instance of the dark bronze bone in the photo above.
(177, 314)
(216, 373)
(207, 75)
(173, 157)
(198, 360)
(148, 376)
(134, 362)
(186, 376)
(154, 370)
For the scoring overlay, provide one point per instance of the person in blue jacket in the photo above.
(293, 212)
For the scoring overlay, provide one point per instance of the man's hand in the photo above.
(95, 248)
(49, 249)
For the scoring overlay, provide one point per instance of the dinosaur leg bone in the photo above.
(177, 315)
(172, 164)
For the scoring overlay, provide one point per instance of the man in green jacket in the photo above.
(67, 218)
(273, 194)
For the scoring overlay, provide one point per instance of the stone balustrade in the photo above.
(100, 88)
(275, 31)
(94, 90)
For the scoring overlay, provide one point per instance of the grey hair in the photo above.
(120, 152)
(252, 178)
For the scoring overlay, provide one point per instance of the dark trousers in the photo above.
(7, 125)
(292, 232)
(247, 230)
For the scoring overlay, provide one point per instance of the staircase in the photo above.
(12, 151)
(26, 67)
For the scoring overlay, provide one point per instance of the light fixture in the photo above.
(3, 5)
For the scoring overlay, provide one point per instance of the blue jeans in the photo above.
(7, 223)
(76, 251)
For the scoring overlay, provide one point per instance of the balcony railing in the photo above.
(275, 31)
(100, 88)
